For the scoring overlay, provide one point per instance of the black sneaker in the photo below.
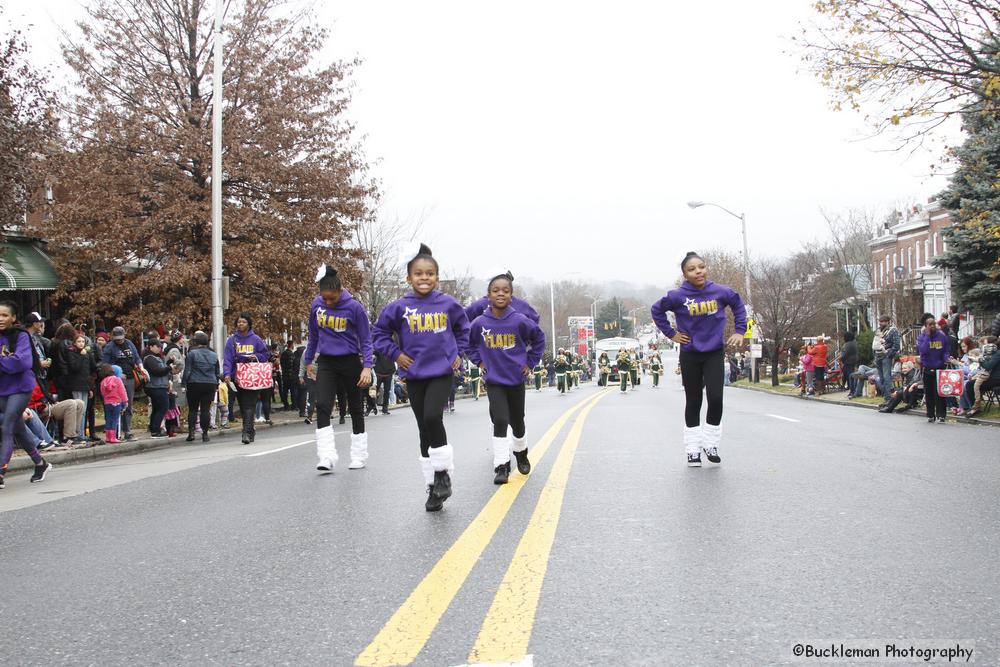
(941, 420)
(442, 485)
(502, 473)
(41, 471)
(342, 419)
(308, 421)
(269, 422)
(523, 464)
(694, 460)
(129, 437)
(386, 412)
(930, 420)
(246, 438)
(712, 453)
(158, 434)
(2, 485)
(433, 503)
(46, 445)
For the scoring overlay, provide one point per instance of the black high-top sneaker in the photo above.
(523, 464)
(694, 460)
(713, 454)
(503, 473)
(433, 503)
(41, 470)
(442, 485)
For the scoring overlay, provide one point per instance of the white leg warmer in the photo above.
(359, 450)
(692, 439)
(326, 448)
(427, 469)
(711, 435)
(443, 458)
(519, 444)
(501, 451)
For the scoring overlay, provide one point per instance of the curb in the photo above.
(951, 418)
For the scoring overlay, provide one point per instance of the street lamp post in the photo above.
(218, 326)
(746, 261)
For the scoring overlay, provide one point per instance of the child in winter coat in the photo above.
(115, 399)
(808, 371)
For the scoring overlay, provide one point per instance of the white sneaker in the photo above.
(325, 466)
(259, 420)
(356, 465)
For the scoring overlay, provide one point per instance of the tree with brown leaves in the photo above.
(28, 130)
(132, 238)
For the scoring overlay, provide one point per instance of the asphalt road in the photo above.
(823, 524)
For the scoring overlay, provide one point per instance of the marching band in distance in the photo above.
(428, 334)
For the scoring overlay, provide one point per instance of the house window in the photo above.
(927, 251)
(909, 260)
(49, 195)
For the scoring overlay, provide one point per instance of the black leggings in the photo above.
(248, 407)
(934, 403)
(339, 375)
(428, 397)
(702, 370)
(506, 409)
(200, 397)
(385, 385)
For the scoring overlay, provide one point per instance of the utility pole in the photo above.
(218, 325)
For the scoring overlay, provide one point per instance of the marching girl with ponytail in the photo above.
(339, 330)
(699, 306)
(506, 345)
(432, 333)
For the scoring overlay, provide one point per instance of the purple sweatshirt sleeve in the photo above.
(364, 334)
(536, 342)
(476, 308)
(461, 327)
(20, 358)
(659, 313)
(739, 311)
(383, 331)
(310, 352)
(475, 335)
(228, 355)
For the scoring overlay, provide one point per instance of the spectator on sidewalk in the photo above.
(70, 412)
(288, 379)
(122, 352)
(35, 326)
(115, 399)
(808, 371)
(157, 387)
(78, 368)
(909, 393)
(201, 378)
(987, 378)
(886, 345)
(298, 386)
(819, 352)
(995, 327)
(849, 360)
(385, 368)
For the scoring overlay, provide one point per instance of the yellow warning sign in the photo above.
(749, 335)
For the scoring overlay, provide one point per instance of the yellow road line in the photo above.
(404, 635)
(506, 632)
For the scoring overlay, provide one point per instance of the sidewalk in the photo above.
(992, 418)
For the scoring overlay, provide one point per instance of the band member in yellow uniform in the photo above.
(623, 368)
(655, 367)
(604, 367)
(562, 366)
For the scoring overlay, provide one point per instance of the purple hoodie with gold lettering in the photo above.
(433, 330)
(343, 329)
(701, 314)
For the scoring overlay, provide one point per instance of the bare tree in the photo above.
(787, 298)
(381, 242)
(911, 63)
(572, 299)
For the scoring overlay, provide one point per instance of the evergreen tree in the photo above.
(610, 322)
(973, 199)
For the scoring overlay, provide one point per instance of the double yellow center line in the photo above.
(507, 629)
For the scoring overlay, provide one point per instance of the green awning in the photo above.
(24, 267)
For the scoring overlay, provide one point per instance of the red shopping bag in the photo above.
(254, 375)
(949, 383)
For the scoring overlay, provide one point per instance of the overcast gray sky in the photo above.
(554, 137)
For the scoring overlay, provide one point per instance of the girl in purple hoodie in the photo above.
(242, 347)
(340, 332)
(699, 307)
(17, 382)
(506, 345)
(432, 333)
